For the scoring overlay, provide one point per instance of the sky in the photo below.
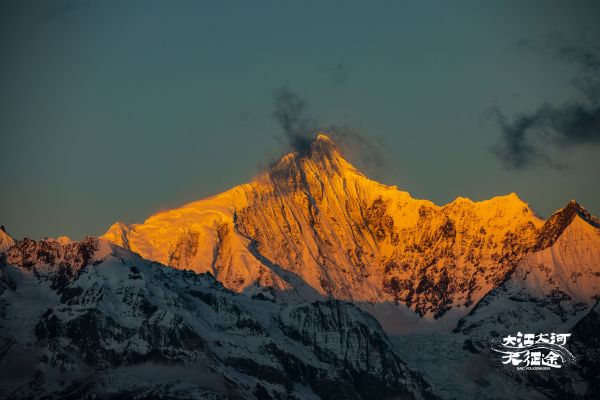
(114, 110)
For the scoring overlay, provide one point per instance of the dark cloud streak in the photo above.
(290, 112)
(299, 129)
(528, 138)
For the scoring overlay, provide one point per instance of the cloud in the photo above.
(527, 139)
(299, 130)
(290, 112)
(369, 152)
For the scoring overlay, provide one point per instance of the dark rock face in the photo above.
(65, 262)
(587, 351)
(573, 381)
(313, 226)
(558, 222)
(551, 290)
(112, 325)
(440, 260)
(348, 342)
(380, 223)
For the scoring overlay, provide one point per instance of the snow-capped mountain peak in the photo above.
(322, 158)
(313, 226)
(552, 285)
(560, 220)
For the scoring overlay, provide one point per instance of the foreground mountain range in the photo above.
(269, 291)
(92, 319)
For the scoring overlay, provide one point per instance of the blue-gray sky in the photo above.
(113, 110)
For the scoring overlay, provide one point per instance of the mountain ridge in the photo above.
(261, 291)
(92, 320)
(314, 226)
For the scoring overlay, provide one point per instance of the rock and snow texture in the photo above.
(312, 226)
(240, 310)
(552, 289)
(93, 320)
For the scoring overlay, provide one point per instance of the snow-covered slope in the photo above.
(93, 320)
(313, 226)
(553, 289)
(252, 300)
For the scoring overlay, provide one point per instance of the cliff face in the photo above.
(553, 288)
(93, 320)
(550, 288)
(313, 226)
(250, 294)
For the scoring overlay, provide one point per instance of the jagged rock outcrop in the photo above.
(256, 300)
(553, 289)
(550, 288)
(312, 226)
(93, 320)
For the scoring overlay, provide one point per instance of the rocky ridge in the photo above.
(313, 227)
(93, 320)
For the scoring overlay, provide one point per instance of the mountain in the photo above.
(89, 320)
(551, 287)
(554, 288)
(261, 292)
(313, 226)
